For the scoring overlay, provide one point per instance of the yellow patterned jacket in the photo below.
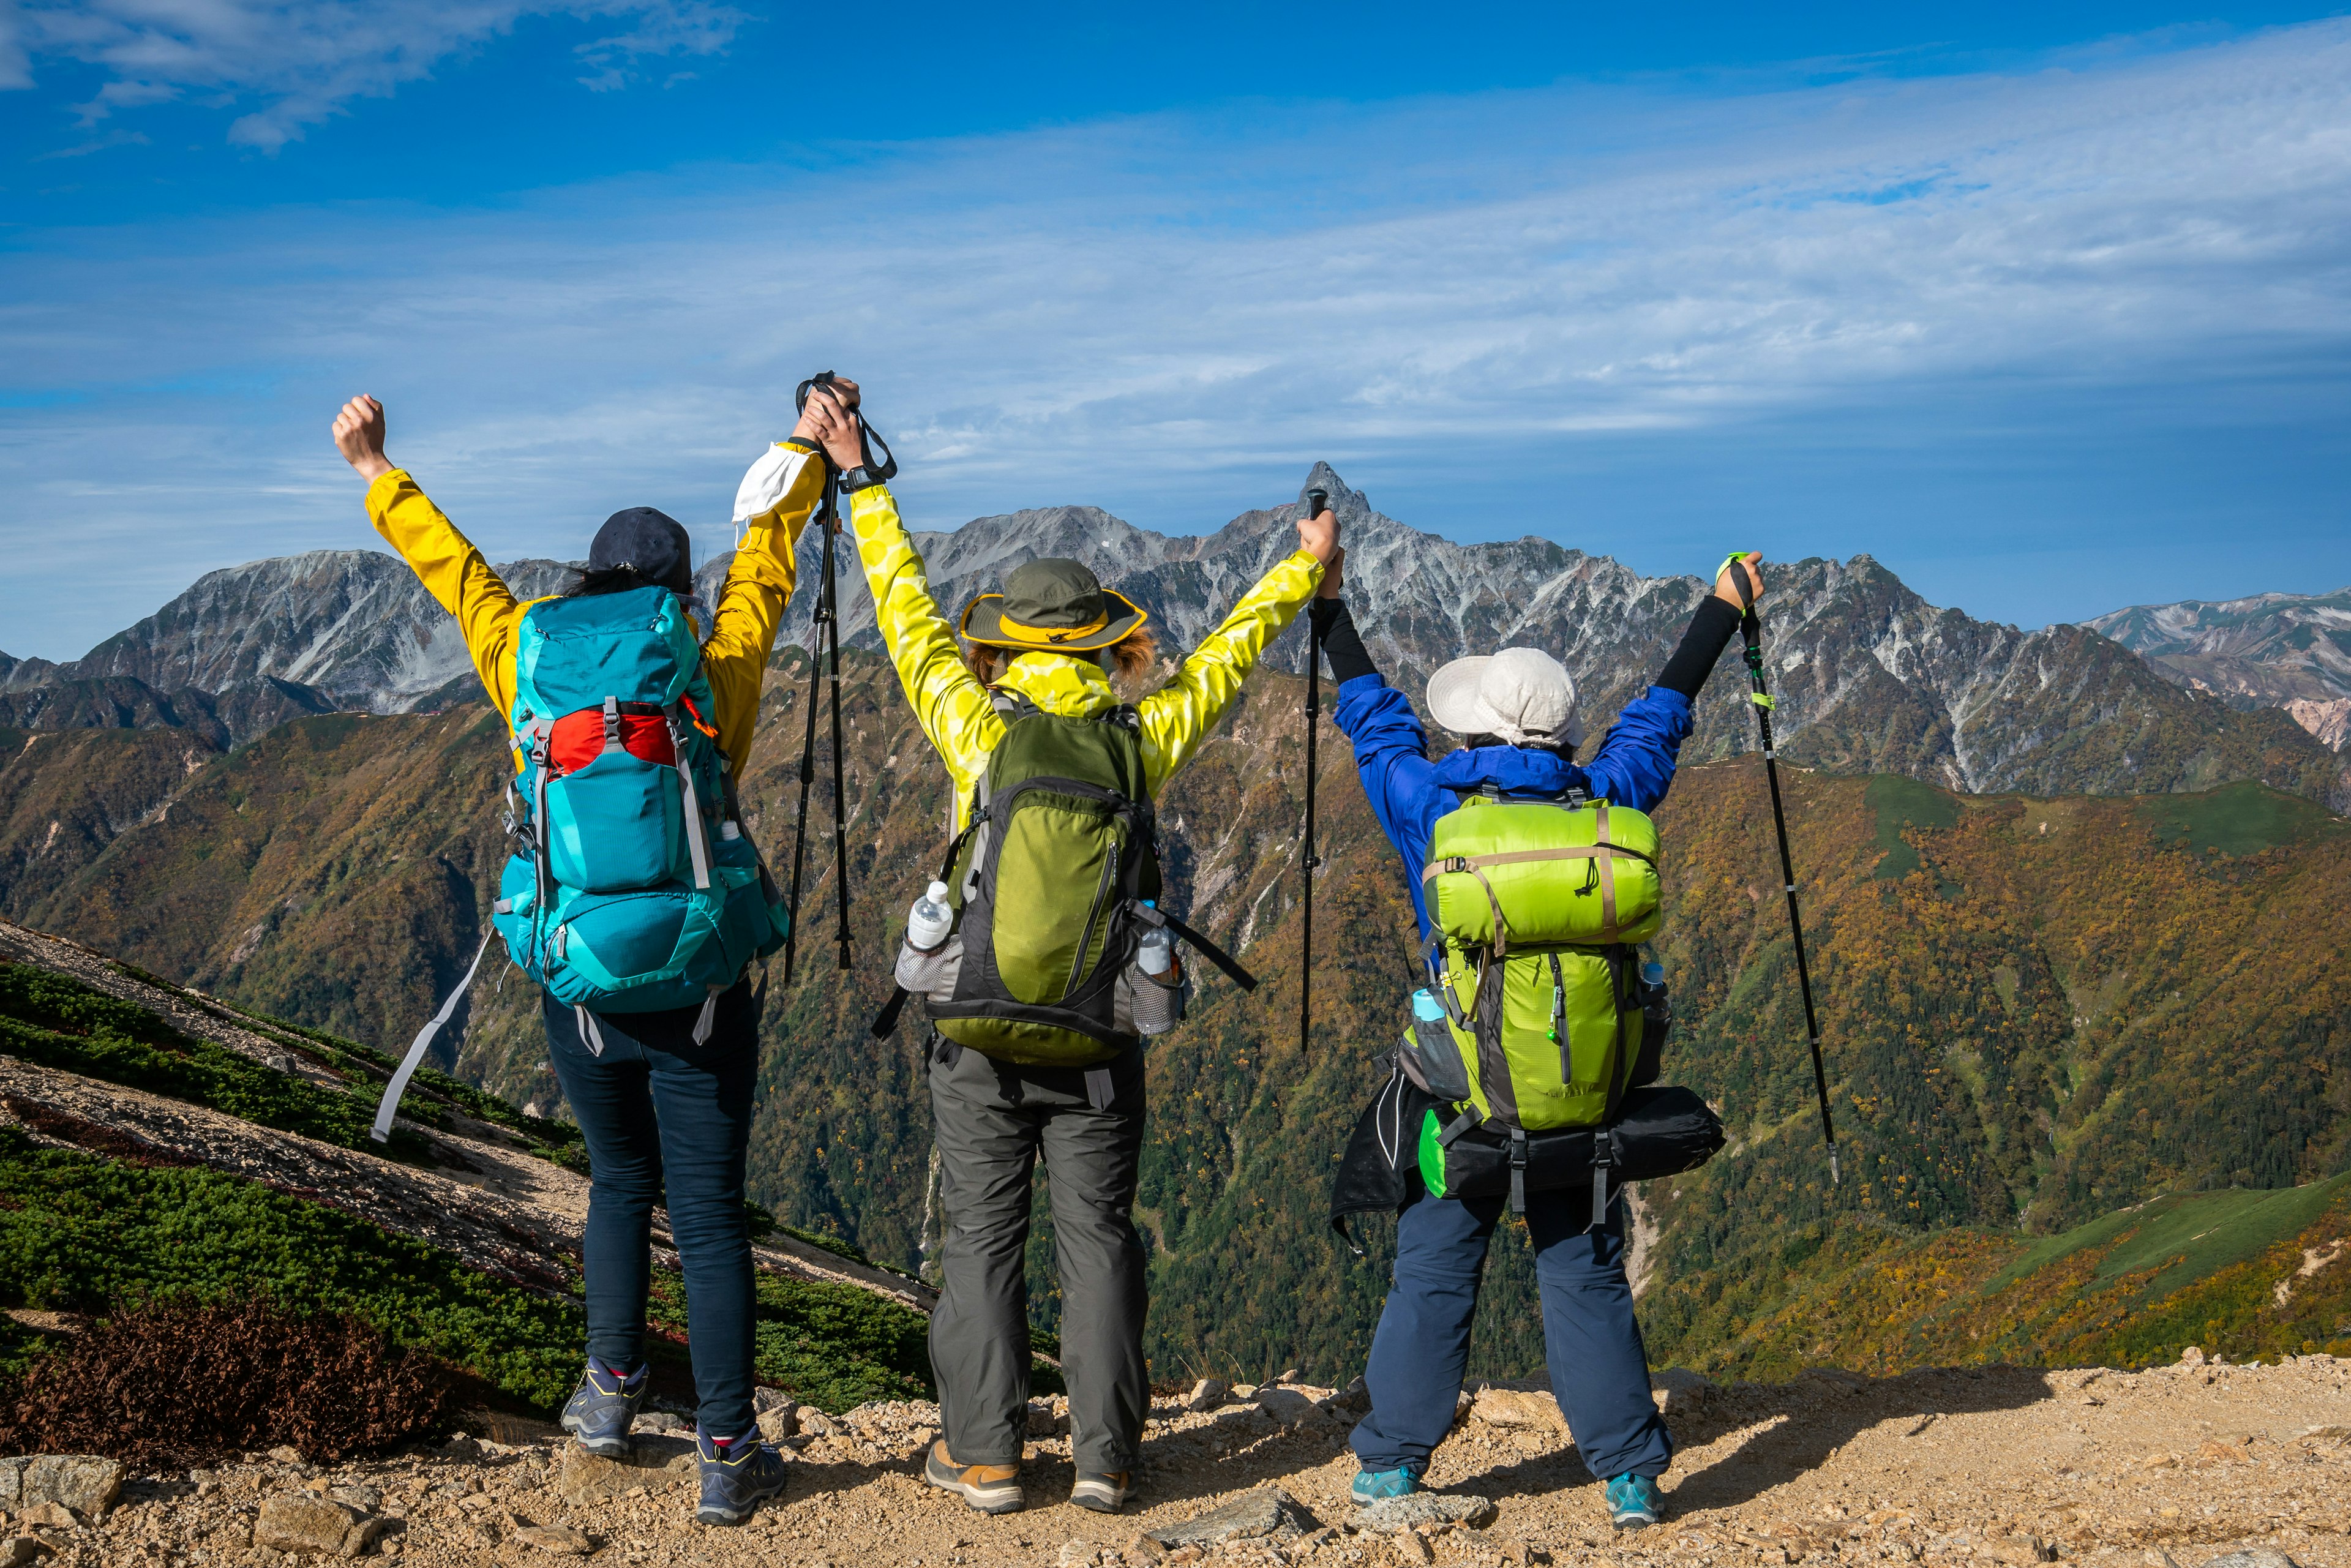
(742, 627)
(953, 707)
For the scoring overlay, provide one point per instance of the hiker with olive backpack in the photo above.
(637, 902)
(1046, 959)
(1523, 1077)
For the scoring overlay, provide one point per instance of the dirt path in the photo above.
(2173, 1466)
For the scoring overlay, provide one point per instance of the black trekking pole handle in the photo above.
(1751, 631)
(867, 436)
(1315, 501)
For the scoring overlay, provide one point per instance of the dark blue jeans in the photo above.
(1598, 1368)
(660, 1112)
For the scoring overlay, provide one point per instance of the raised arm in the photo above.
(1634, 765)
(771, 507)
(444, 559)
(1391, 747)
(1178, 715)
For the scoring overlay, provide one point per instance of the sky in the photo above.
(2047, 308)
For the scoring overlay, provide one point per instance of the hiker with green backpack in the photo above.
(1523, 1076)
(1049, 962)
(638, 902)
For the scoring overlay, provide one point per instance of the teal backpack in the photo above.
(634, 887)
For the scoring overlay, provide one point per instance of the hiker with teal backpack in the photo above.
(1522, 1080)
(1045, 958)
(636, 900)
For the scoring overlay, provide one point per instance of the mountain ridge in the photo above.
(1869, 676)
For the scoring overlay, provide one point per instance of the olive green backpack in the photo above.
(1537, 1020)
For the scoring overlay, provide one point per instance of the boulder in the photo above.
(1208, 1393)
(307, 1526)
(777, 1425)
(1267, 1513)
(1396, 1515)
(1287, 1405)
(1515, 1411)
(582, 1478)
(20, 1549)
(2258, 1557)
(82, 1482)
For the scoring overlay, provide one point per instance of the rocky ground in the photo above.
(2171, 1468)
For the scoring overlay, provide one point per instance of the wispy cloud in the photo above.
(304, 61)
(1138, 312)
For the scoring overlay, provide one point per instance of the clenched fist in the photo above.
(358, 437)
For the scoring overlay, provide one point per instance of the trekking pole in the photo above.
(1314, 502)
(808, 739)
(1751, 629)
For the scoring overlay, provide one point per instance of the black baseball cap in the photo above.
(652, 543)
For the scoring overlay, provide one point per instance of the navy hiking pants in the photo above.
(662, 1113)
(1598, 1368)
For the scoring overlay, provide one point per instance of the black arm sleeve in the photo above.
(1709, 632)
(1334, 624)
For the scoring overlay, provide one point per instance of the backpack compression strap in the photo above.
(1474, 864)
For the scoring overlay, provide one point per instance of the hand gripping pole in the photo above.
(1751, 631)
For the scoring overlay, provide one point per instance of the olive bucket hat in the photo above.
(1057, 606)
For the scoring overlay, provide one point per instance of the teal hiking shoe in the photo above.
(738, 1474)
(1633, 1502)
(601, 1414)
(1373, 1485)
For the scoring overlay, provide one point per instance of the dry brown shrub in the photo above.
(183, 1382)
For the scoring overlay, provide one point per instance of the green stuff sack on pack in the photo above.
(1060, 847)
(1501, 874)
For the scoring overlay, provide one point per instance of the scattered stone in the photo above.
(1268, 1512)
(1677, 1390)
(2156, 1557)
(2259, 1557)
(582, 1478)
(82, 1482)
(17, 1550)
(780, 1422)
(1208, 1393)
(2191, 1356)
(1143, 1549)
(56, 1515)
(1289, 1375)
(2023, 1551)
(1397, 1515)
(1077, 1554)
(815, 1422)
(1041, 1420)
(1518, 1412)
(665, 1422)
(461, 1447)
(315, 1527)
(286, 1454)
(560, 1539)
(1413, 1547)
(1287, 1405)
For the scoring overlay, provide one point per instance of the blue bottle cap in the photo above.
(1426, 1005)
(1653, 973)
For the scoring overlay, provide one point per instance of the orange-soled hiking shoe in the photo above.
(990, 1489)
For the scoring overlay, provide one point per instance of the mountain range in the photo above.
(1870, 677)
(2273, 650)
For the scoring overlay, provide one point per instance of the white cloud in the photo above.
(304, 61)
(1136, 313)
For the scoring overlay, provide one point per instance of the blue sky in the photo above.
(2047, 308)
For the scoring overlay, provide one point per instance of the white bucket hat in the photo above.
(1520, 695)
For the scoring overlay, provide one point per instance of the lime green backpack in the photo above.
(1535, 908)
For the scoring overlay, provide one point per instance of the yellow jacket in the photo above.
(953, 707)
(742, 628)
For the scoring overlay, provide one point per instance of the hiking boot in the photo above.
(738, 1475)
(1373, 1485)
(601, 1412)
(990, 1489)
(1104, 1491)
(1633, 1502)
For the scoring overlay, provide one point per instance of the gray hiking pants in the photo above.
(991, 1120)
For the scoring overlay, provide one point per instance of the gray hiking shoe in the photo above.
(737, 1476)
(601, 1413)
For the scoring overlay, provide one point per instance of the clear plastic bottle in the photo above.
(928, 923)
(1156, 953)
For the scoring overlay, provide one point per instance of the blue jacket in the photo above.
(1634, 766)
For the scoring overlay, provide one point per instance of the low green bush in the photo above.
(85, 1234)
